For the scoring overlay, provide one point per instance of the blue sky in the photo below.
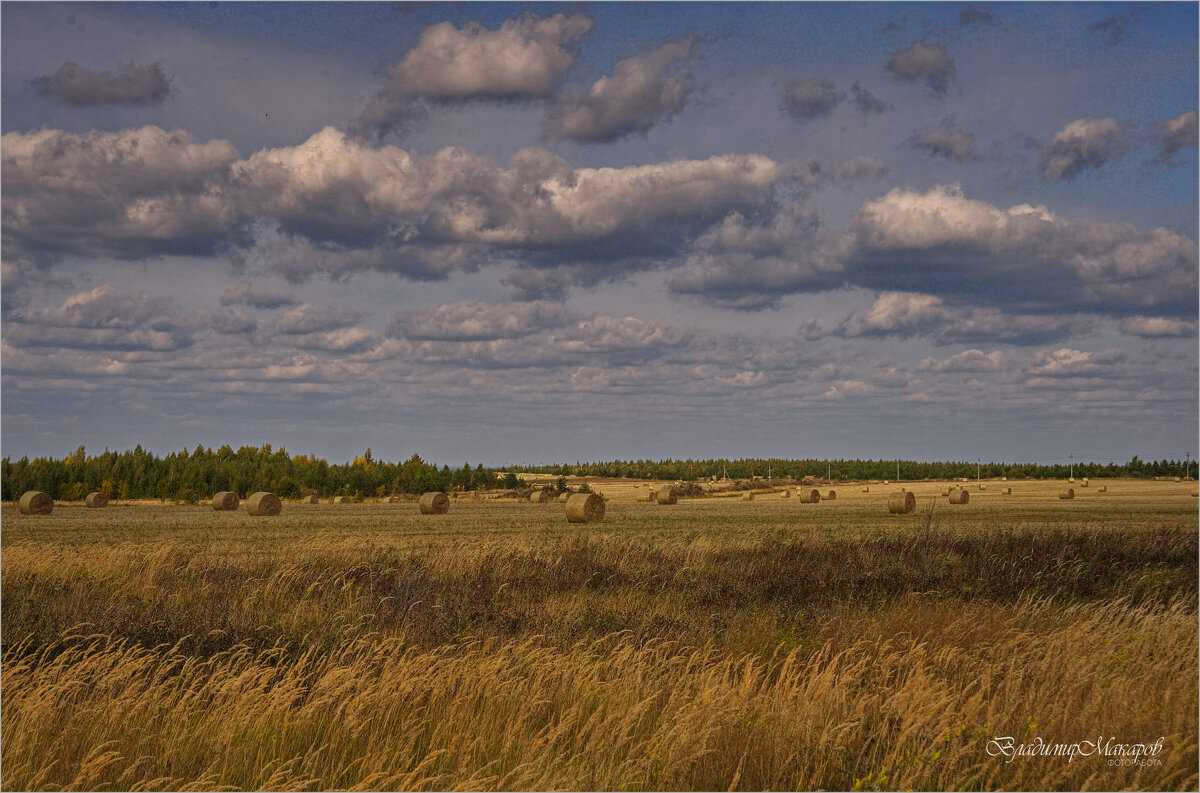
(553, 232)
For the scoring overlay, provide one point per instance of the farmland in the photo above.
(711, 644)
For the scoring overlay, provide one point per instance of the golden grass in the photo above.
(718, 645)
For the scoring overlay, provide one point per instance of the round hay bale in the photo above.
(886, 482)
(339, 499)
(1179, 479)
(35, 502)
(831, 495)
(539, 497)
(96, 500)
(434, 503)
(747, 496)
(960, 496)
(866, 490)
(1195, 493)
(1102, 489)
(982, 486)
(667, 496)
(263, 503)
(652, 497)
(1083, 483)
(585, 508)
(311, 500)
(1004, 479)
(810, 496)
(1067, 494)
(226, 501)
(786, 494)
(1071, 480)
(1006, 491)
(947, 491)
(562, 499)
(902, 503)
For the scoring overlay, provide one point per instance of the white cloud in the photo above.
(1158, 326)
(1084, 144)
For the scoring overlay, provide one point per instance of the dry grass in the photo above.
(718, 645)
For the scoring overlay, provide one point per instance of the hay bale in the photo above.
(1004, 479)
(340, 499)
(1067, 494)
(667, 496)
(226, 501)
(35, 502)
(96, 500)
(311, 500)
(394, 499)
(830, 496)
(786, 494)
(562, 499)
(902, 503)
(585, 508)
(264, 503)
(947, 491)
(652, 497)
(1179, 479)
(539, 497)
(748, 496)
(809, 496)
(434, 503)
(960, 496)
(982, 486)
(1083, 482)
(886, 482)
(866, 490)
(1071, 480)
(1006, 491)
(1195, 493)
(1102, 489)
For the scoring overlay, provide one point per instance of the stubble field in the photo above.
(712, 644)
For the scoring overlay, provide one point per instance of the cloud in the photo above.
(477, 321)
(130, 194)
(100, 318)
(1022, 259)
(1173, 134)
(749, 265)
(946, 141)
(921, 61)
(862, 168)
(1116, 25)
(525, 58)
(313, 319)
(1153, 327)
(969, 15)
(1067, 362)
(643, 92)
(223, 322)
(867, 102)
(132, 85)
(1084, 144)
(909, 314)
(966, 361)
(811, 98)
(244, 293)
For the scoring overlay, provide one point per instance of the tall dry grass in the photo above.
(910, 711)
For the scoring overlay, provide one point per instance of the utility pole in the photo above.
(828, 469)
(1187, 466)
(978, 460)
(1072, 466)
(897, 470)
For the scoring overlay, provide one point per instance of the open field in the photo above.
(712, 644)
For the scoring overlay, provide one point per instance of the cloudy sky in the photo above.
(541, 233)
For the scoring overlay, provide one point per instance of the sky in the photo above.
(532, 233)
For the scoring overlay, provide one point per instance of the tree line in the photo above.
(197, 475)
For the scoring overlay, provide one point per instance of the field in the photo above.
(713, 644)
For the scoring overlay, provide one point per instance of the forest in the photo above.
(197, 475)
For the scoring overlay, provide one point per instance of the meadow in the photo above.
(712, 644)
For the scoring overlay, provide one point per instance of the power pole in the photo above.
(1072, 466)
(897, 470)
(1187, 466)
(828, 469)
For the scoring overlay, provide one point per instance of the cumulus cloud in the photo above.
(132, 85)
(966, 361)
(245, 293)
(946, 141)
(1023, 258)
(643, 92)
(863, 168)
(314, 319)
(130, 194)
(525, 58)
(749, 265)
(1084, 144)
(103, 317)
(867, 102)
(1068, 362)
(971, 15)
(908, 314)
(1154, 327)
(811, 98)
(476, 321)
(921, 61)
(1172, 134)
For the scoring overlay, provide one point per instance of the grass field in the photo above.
(713, 644)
